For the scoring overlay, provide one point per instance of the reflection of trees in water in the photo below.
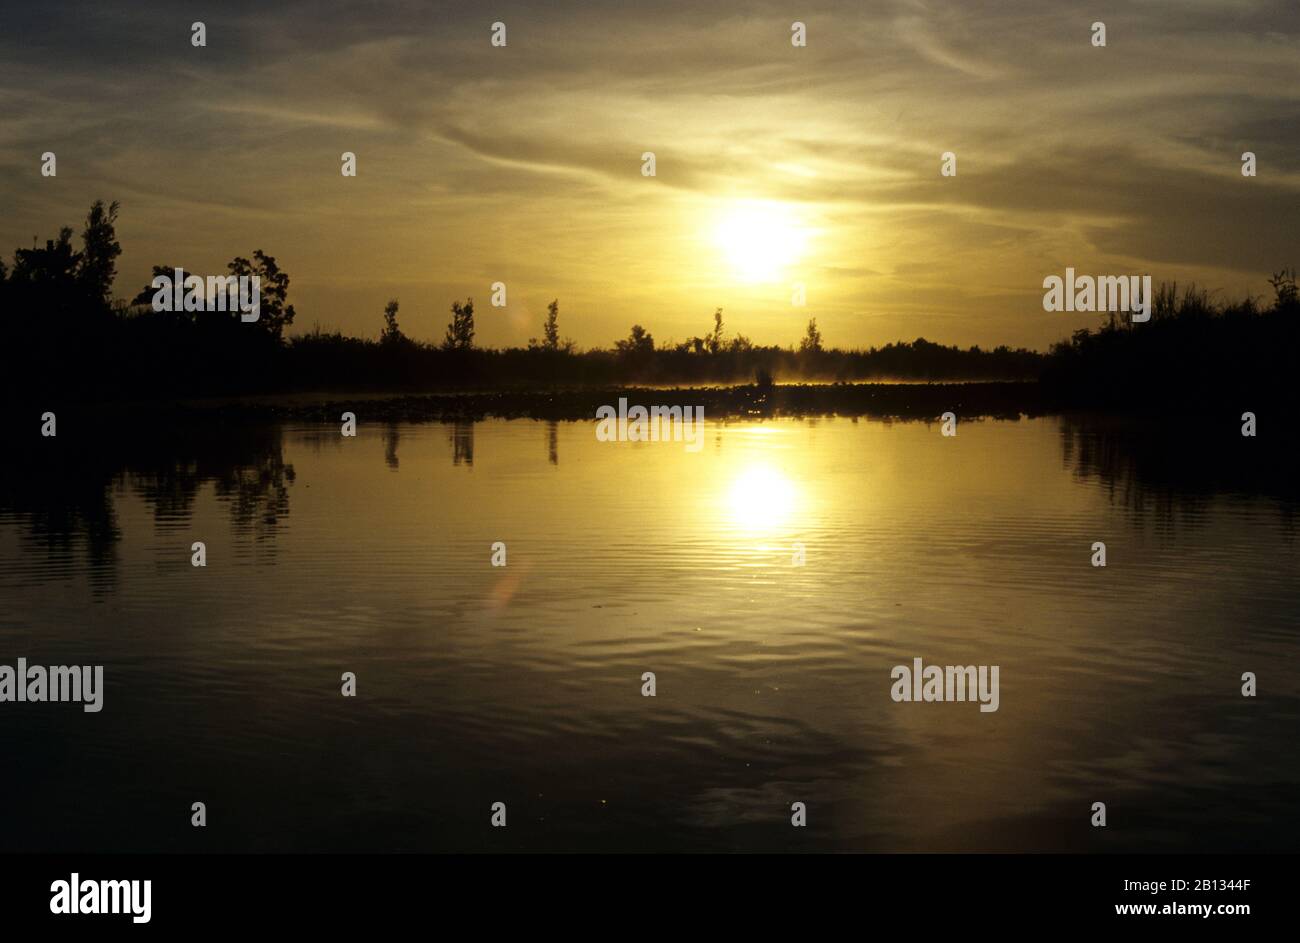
(553, 442)
(461, 434)
(245, 466)
(392, 436)
(1174, 469)
(60, 508)
(258, 494)
(61, 491)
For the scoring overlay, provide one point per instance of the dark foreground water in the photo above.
(523, 684)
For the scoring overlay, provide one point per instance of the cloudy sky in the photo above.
(775, 164)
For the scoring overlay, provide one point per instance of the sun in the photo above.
(760, 239)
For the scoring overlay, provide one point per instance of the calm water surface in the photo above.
(523, 685)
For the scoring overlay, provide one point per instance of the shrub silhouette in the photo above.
(1194, 353)
(392, 334)
(460, 330)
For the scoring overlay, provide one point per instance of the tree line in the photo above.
(64, 332)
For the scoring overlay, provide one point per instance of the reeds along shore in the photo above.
(1195, 354)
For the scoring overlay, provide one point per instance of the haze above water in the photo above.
(523, 684)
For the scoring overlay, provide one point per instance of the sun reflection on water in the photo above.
(761, 498)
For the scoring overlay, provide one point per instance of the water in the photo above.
(523, 684)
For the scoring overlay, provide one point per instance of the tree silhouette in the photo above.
(638, 341)
(50, 271)
(714, 339)
(460, 330)
(146, 294)
(392, 333)
(275, 314)
(552, 328)
(812, 339)
(98, 264)
(1285, 288)
(740, 344)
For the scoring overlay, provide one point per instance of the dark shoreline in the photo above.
(922, 401)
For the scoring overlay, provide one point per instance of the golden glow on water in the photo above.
(374, 554)
(761, 498)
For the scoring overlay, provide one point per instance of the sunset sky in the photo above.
(775, 164)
